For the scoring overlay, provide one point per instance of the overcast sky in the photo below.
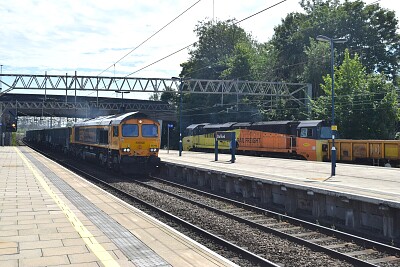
(61, 36)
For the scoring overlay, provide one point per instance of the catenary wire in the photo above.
(196, 42)
(162, 28)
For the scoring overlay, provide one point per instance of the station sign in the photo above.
(223, 135)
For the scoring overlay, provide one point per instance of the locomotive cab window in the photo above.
(130, 130)
(115, 131)
(306, 132)
(325, 133)
(188, 132)
(149, 130)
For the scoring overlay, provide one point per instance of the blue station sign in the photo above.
(224, 135)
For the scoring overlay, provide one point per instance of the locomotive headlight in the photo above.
(153, 149)
(126, 149)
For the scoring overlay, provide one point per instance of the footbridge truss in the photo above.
(81, 107)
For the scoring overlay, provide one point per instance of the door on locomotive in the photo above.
(312, 140)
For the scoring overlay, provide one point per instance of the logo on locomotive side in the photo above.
(249, 140)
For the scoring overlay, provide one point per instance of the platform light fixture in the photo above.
(333, 126)
(122, 92)
(180, 79)
(1, 78)
(122, 109)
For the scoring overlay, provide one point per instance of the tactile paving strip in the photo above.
(133, 248)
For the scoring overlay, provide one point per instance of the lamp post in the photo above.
(180, 112)
(1, 78)
(333, 126)
(122, 109)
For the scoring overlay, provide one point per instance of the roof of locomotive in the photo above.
(192, 126)
(110, 119)
(219, 126)
(241, 124)
(274, 122)
(312, 123)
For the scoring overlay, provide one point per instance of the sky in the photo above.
(91, 36)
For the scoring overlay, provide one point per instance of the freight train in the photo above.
(310, 140)
(127, 142)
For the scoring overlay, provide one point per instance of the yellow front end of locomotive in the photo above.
(139, 138)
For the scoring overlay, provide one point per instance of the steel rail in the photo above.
(311, 226)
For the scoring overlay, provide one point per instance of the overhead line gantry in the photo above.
(297, 92)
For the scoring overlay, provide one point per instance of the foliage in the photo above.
(317, 65)
(370, 29)
(224, 51)
(366, 105)
(363, 86)
(217, 42)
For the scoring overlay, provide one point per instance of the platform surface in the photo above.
(50, 216)
(376, 184)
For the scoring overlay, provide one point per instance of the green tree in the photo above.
(371, 32)
(216, 43)
(317, 65)
(224, 51)
(366, 105)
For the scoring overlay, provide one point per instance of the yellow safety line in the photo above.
(89, 239)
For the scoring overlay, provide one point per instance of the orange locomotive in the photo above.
(310, 140)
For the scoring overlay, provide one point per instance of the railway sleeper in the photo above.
(341, 245)
(361, 252)
(253, 217)
(242, 213)
(384, 259)
(264, 220)
(291, 228)
(323, 239)
(274, 224)
(305, 234)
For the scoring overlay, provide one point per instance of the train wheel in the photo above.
(117, 168)
(116, 165)
(102, 160)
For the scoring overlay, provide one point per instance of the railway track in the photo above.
(248, 235)
(229, 250)
(347, 247)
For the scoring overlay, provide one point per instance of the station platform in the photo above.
(365, 183)
(50, 216)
